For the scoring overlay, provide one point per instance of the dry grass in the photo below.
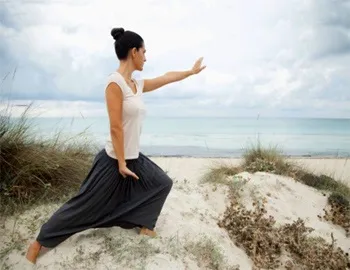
(208, 254)
(259, 159)
(265, 243)
(218, 173)
(34, 170)
(324, 183)
(272, 161)
(338, 211)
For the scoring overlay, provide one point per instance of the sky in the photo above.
(264, 58)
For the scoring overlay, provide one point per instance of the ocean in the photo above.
(217, 137)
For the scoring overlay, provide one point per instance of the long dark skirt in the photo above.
(106, 199)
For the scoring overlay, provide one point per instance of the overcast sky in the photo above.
(272, 58)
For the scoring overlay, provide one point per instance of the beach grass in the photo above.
(34, 170)
(208, 254)
(271, 159)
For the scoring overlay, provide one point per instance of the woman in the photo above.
(123, 188)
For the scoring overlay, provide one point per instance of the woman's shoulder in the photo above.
(116, 78)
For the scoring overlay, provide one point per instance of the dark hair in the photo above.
(125, 41)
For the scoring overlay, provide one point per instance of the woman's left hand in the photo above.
(197, 67)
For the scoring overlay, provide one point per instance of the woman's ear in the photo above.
(133, 52)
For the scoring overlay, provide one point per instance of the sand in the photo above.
(188, 234)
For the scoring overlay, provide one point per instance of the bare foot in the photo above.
(33, 252)
(148, 232)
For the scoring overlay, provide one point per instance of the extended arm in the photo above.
(172, 76)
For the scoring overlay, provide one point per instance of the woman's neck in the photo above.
(126, 69)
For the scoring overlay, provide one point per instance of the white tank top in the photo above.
(134, 112)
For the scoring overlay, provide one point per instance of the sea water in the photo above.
(217, 137)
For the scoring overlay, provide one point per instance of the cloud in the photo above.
(275, 57)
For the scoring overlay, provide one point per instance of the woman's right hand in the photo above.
(124, 171)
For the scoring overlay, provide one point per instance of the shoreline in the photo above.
(199, 152)
(206, 152)
(241, 157)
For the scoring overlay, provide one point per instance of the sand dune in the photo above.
(188, 233)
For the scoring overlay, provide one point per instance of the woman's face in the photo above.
(139, 57)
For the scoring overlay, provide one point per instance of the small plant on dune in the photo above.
(323, 182)
(255, 159)
(260, 159)
(208, 254)
(265, 243)
(253, 232)
(270, 160)
(218, 173)
(34, 170)
(338, 211)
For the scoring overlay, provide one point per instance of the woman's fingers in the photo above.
(135, 176)
(127, 172)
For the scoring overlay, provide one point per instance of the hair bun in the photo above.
(117, 33)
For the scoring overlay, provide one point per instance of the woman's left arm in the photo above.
(172, 76)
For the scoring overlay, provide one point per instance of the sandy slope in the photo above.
(189, 237)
